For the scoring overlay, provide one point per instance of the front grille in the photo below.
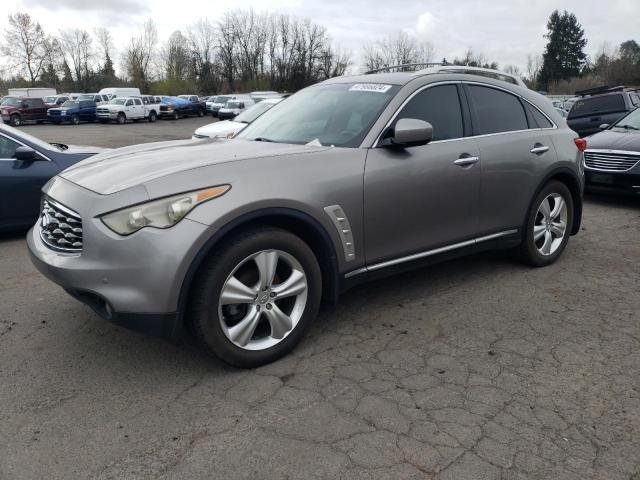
(54, 113)
(102, 111)
(60, 227)
(611, 161)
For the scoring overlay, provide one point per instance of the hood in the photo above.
(615, 140)
(86, 149)
(7, 108)
(127, 167)
(221, 129)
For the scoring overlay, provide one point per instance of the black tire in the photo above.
(75, 119)
(200, 113)
(122, 118)
(153, 116)
(203, 317)
(176, 116)
(15, 120)
(528, 251)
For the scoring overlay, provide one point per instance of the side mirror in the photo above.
(26, 154)
(410, 132)
(604, 126)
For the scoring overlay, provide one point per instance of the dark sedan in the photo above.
(612, 159)
(26, 164)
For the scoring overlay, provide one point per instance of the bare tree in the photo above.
(398, 49)
(175, 57)
(534, 65)
(77, 50)
(27, 46)
(139, 55)
(202, 43)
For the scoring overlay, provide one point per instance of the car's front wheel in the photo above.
(548, 225)
(255, 297)
(176, 115)
(15, 120)
(75, 119)
(122, 118)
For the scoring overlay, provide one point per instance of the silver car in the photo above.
(238, 241)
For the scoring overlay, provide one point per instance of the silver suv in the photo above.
(239, 241)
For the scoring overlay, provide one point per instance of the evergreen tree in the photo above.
(67, 84)
(564, 55)
(108, 72)
(49, 76)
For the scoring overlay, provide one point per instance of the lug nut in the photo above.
(269, 306)
(272, 294)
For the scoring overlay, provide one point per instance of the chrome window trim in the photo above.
(44, 157)
(429, 253)
(460, 82)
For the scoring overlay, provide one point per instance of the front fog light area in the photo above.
(163, 213)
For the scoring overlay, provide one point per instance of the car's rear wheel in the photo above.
(176, 115)
(200, 113)
(153, 116)
(255, 297)
(75, 119)
(548, 225)
(122, 118)
(15, 120)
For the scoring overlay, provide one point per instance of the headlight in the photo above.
(163, 213)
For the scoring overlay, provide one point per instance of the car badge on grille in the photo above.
(46, 223)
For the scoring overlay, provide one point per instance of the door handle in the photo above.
(540, 149)
(466, 161)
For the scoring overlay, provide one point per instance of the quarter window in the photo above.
(440, 106)
(496, 111)
(539, 120)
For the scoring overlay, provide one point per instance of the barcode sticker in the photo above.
(370, 87)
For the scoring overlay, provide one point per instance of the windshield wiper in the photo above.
(263, 139)
(626, 127)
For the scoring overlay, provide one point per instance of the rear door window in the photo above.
(7, 148)
(597, 105)
(440, 106)
(496, 111)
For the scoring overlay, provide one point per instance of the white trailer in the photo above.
(32, 92)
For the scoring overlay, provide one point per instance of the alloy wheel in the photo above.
(550, 226)
(263, 299)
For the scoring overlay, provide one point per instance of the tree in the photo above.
(139, 56)
(564, 55)
(398, 49)
(27, 46)
(77, 49)
(105, 41)
(202, 41)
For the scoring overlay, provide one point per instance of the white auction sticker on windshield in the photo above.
(370, 87)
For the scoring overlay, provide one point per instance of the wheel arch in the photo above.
(299, 223)
(568, 177)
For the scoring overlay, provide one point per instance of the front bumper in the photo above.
(134, 280)
(621, 182)
(226, 115)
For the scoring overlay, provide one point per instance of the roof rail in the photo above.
(598, 90)
(405, 67)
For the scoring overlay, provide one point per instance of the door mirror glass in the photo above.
(410, 132)
(604, 126)
(26, 154)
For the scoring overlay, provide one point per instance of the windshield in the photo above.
(118, 101)
(70, 104)
(12, 102)
(254, 112)
(630, 122)
(338, 114)
(220, 99)
(85, 97)
(49, 99)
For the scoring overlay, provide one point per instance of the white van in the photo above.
(31, 92)
(115, 92)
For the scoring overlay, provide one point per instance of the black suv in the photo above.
(600, 106)
(612, 160)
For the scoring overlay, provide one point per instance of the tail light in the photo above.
(581, 143)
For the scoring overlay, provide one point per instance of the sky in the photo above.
(505, 31)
